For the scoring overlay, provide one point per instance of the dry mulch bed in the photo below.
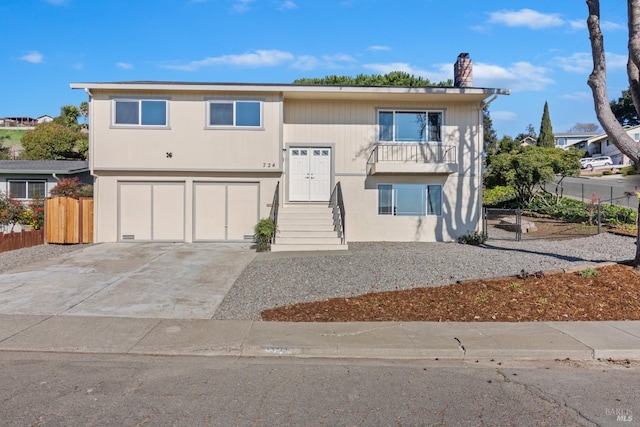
(607, 293)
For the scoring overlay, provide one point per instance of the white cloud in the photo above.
(577, 63)
(306, 62)
(526, 18)
(503, 116)
(78, 66)
(287, 5)
(242, 6)
(34, 57)
(520, 76)
(379, 48)
(582, 62)
(578, 96)
(610, 25)
(615, 60)
(259, 58)
(577, 24)
(124, 65)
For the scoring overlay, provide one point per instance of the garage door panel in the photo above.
(150, 211)
(242, 210)
(135, 212)
(168, 212)
(225, 211)
(209, 211)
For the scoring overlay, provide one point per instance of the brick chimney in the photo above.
(463, 71)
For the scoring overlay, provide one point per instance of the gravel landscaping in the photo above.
(275, 279)
(26, 256)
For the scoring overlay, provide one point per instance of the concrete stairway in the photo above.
(306, 228)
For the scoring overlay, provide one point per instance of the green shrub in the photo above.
(628, 170)
(472, 238)
(499, 196)
(72, 187)
(607, 173)
(263, 232)
(571, 210)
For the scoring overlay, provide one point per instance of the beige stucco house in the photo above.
(200, 162)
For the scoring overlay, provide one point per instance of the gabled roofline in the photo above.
(285, 88)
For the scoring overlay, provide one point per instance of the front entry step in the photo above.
(306, 228)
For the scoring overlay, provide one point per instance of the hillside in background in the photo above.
(11, 138)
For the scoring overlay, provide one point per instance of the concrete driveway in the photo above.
(143, 280)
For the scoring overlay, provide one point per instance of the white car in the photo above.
(590, 163)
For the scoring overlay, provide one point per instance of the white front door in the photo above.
(309, 174)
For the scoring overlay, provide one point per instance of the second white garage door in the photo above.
(224, 211)
(151, 211)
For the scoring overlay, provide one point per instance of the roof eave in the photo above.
(289, 88)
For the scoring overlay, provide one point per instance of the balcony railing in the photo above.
(413, 158)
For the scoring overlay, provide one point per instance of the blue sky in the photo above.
(537, 49)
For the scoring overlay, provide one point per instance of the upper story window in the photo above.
(140, 112)
(26, 189)
(410, 126)
(235, 114)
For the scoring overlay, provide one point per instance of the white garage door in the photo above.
(151, 211)
(224, 211)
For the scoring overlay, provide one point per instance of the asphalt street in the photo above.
(96, 390)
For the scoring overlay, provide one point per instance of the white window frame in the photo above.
(27, 182)
(234, 102)
(114, 101)
(394, 111)
(393, 199)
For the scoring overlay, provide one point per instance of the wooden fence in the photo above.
(21, 239)
(69, 220)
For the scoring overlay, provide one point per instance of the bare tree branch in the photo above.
(598, 78)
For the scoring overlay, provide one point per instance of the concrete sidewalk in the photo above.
(374, 340)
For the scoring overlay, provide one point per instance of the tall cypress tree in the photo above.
(545, 137)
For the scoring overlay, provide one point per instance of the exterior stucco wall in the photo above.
(191, 144)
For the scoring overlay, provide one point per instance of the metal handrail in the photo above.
(273, 215)
(418, 153)
(337, 203)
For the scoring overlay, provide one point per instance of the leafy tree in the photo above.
(624, 110)
(53, 141)
(68, 117)
(598, 83)
(546, 139)
(585, 128)
(529, 167)
(394, 78)
(491, 144)
(84, 112)
(508, 144)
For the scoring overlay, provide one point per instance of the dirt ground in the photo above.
(608, 293)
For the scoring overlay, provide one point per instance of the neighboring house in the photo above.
(18, 121)
(197, 162)
(569, 139)
(26, 179)
(529, 140)
(601, 145)
(44, 119)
